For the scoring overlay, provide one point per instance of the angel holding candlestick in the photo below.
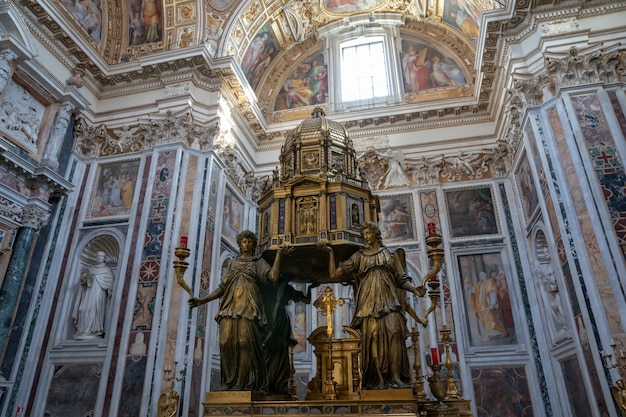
(242, 317)
(377, 273)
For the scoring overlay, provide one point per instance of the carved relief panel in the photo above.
(21, 115)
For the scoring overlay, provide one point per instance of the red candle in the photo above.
(435, 355)
(432, 229)
(183, 242)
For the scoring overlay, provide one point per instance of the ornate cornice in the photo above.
(573, 68)
(97, 141)
(374, 166)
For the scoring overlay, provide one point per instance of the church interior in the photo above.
(483, 140)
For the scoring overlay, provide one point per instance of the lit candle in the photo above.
(443, 301)
(432, 229)
(435, 355)
(183, 241)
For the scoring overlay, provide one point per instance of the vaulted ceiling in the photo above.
(119, 44)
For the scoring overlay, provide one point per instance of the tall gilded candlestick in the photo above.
(430, 280)
(418, 385)
(452, 393)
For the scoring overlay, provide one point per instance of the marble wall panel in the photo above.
(501, 391)
(73, 390)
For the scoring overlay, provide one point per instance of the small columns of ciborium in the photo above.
(418, 385)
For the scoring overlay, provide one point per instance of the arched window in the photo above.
(363, 62)
(363, 69)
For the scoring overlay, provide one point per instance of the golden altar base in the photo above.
(379, 402)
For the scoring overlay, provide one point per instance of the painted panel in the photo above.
(351, 6)
(526, 187)
(396, 218)
(464, 15)
(73, 390)
(425, 67)
(471, 212)
(88, 13)
(306, 86)
(145, 23)
(487, 302)
(114, 190)
(259, 55)
(233, 216)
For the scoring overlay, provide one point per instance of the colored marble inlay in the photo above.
(430, 208)
(566, 240)
(150, 270)
(605, 157)
(527, 306)
(620, 113)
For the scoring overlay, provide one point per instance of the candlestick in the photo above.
(444, 320)
(183, 241)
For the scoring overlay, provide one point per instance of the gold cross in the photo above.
(328, 303)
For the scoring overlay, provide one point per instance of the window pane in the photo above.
(363, 73)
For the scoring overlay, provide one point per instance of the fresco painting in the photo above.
(424, 68)
(259, 55)
(307, 85)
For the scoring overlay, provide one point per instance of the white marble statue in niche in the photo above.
(546, 277)
(96, 285)
(21, 115)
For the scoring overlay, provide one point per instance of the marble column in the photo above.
(33, 219)
(57, 134)
(6, 57)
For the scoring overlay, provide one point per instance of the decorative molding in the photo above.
(10, 210)
(557, 26)
(604, 65)
(93, 141)
(34, 217)
(242, 176)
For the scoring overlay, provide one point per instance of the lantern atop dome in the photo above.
(318, 147)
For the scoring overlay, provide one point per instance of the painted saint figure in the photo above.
(484, 302)
(96, 284)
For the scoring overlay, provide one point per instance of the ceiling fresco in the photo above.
(275, 44)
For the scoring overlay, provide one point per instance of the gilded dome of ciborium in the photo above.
(318, 147)
(316, 196)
